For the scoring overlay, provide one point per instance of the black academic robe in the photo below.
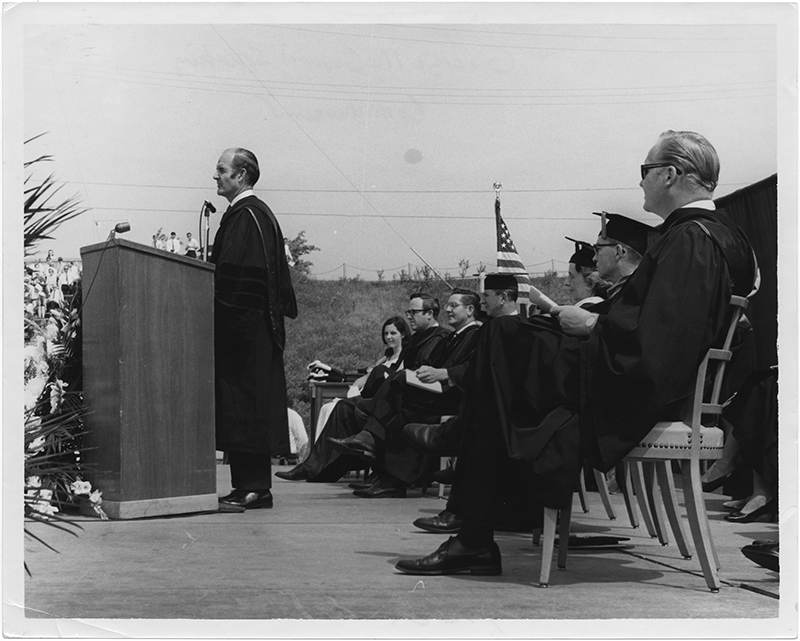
(399, 403)
(252, 293)
(642, 357)
(550, 399)
(325, 464)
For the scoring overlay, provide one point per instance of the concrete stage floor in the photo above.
(323, 554)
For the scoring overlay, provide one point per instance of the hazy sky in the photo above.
(382, 140)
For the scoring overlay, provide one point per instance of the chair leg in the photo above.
(649, 469)
(670, 499)
(550, 518)
(698, 523)
(624, 482)
(582, 492)
(637, 477)
(563, 535)
(444, 461)
(602, 488)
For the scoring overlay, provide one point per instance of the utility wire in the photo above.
(394, 191)
(738, 50)
(216, 80)
(413, 100)
(330, 160)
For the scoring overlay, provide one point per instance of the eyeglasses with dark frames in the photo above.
(410, 312)
(654, 165)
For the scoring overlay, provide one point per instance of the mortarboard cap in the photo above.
(500, 281)
(631, 232)
(584, 253)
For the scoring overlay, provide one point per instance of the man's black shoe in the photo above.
(298, 473)
(383, 489)
(445, 476)
(452, 558)
(440, 439)
(246, 500)
(361, 445)
(443, 523)
(367, 483)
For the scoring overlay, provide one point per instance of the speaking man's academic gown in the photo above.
(252, 293)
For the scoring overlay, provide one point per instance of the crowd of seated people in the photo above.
(530, 401)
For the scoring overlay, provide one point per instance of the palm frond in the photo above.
(42, 216)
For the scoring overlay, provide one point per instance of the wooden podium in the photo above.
(148, 376)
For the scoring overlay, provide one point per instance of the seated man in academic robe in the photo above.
(590, 388)
(615, 256)
(381, 442)
(327, 465)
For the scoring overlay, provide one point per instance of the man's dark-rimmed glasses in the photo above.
(654, 165)
(410, 312)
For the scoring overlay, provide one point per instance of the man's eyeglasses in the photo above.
(599, 245)
(654, 165)
(453, 305)
(410, 312)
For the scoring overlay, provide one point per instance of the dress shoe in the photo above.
(361, 445)
(445, 476)
(713, 485)
(247, 500)
(769, 510)
(298, 473)
(382, 489)
(367, 483)
(478, 562)
(439, 439)
(764, 553)
(735, 505)
(443, 523)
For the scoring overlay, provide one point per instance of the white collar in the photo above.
(458, 331)
(701, 204)
(242, 195)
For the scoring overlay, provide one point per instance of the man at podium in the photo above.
(252, 293)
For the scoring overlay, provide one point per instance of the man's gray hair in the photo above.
(693, 155)
(246, 159)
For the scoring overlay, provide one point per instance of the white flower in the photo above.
(33, 481)
(96, 497)
(36, 444)
(81, 487)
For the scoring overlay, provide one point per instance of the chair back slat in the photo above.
(717, 358)
(737, 306)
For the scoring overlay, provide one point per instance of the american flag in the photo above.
(508, 260)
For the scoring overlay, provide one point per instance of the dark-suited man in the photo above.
(601, 383)
(327, 465)
(252, 293)
(400, 402)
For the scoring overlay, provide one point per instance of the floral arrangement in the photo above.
(53, 402)
(54, 412)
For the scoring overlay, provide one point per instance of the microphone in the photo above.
(210, 207)
(119, 228)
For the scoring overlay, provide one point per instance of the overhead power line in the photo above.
(476, 101)
(386, 191)
(505, 45)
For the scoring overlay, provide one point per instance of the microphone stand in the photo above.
(204, 211)
(208, 225)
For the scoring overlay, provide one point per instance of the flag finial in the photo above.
(497, 187)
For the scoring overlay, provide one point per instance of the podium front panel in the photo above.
(149, 379)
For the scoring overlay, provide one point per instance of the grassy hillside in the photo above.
(339, 323)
